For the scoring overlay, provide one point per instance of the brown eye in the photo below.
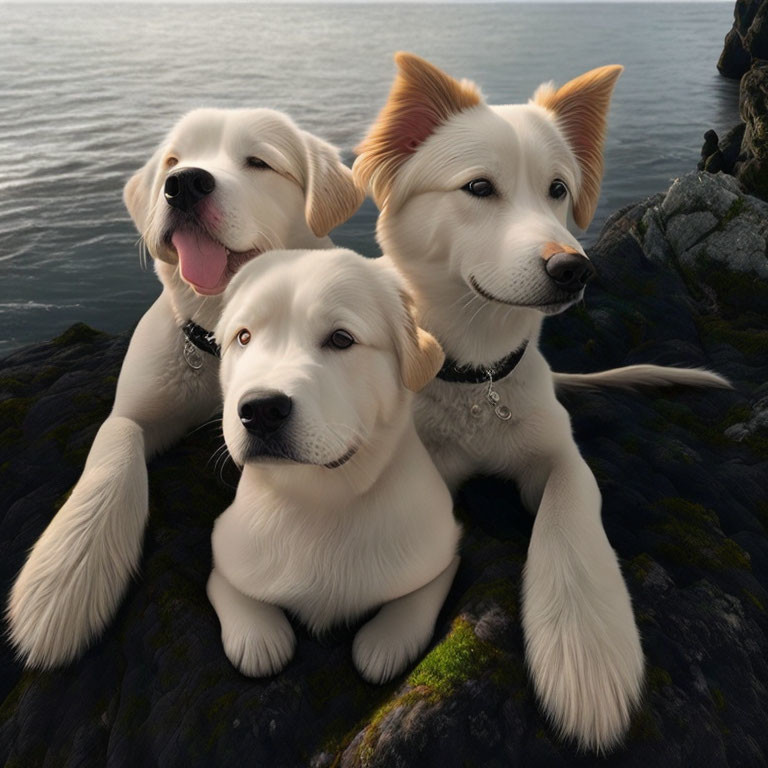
(243, 337)
(256, 162)
(339, 340)
(171, 161)
(480, 188)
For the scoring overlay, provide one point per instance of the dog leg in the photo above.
(401, 630)
(582, 644)
(79, 569)
(257, 637)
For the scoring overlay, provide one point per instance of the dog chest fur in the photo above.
(333, 565)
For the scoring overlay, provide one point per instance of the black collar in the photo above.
(202, 339)
(466, 374)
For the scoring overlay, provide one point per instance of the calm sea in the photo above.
(86, 91)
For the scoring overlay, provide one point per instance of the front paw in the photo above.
(259, 646)
(588, 676)
(384, 648)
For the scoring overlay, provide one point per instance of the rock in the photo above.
(682, 474)
(747, 40)
(752, 168)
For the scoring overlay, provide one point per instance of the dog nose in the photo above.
(265, 414)
(185, 188)
(570, 271)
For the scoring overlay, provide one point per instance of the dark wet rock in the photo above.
(752, 166)
(681, 280)
(747, 40)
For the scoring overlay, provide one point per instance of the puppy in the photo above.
(223, 186)
(339, 508)
(475, 201)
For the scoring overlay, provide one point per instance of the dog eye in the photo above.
(558, 190)
(480, 188)
(243, 337)
(257, 162)
(339, 340)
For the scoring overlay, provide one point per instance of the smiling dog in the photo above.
(339, 508)
(223, 186)
(475, 201)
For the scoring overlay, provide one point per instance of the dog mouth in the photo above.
(342, 459)
(548, 308)
(263, 453)
(205, 264)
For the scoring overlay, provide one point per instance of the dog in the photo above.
(339, 508)
(475, 203)
(224, 186)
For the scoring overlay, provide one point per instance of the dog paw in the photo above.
(259, 646)
(382, 648)
(589, 679)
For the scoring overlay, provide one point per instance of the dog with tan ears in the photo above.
(339, 509)
(224, 186)
(475, 202)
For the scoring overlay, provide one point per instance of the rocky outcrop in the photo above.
(743, 151)
(747, 40)
(681, 280)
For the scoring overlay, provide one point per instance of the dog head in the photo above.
(227, 184)
(318, 351)
(475, 199)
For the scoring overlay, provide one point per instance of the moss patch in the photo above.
(79, 333)
(691, 536)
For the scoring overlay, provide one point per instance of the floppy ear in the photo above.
(420, 354)
(137, 191)
(581, 106)
(422, 98)
(331, 193)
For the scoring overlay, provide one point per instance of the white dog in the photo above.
(475, 201)
(339, 508)
(224, 186)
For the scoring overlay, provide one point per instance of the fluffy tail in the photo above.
(632, 376)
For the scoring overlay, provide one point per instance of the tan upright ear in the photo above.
(420, 354)
(422, 98)
(138, 190)
(331, 193)
(581, 106)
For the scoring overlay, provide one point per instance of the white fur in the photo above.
(583, 647)
(327, 544)
(79, 569)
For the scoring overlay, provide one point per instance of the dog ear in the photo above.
(421, 99)
(330, 191)
(419, 352)
(137, 191)
(581, 107)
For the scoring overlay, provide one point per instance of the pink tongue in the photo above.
(203, 261)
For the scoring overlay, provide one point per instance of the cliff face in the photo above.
(747, 40)
(682, 280)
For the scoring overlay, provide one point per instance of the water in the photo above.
(86, 91)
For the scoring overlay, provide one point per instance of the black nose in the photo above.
(570, 271)
(266, 413)
(187, 187)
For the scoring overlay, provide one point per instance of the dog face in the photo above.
(318, 348)
(226, 185)
(479, 196)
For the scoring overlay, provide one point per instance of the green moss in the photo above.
(500, 591)
(639, 566)
(641, 227)
(658, 678)
(46, 376)
(754, 599)
(747, 341)
(735, 209)
(9, 384)
(643, 727)
(460, 657)
(691, 536)
(13, 411)
(79, 333)
(717, 697)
